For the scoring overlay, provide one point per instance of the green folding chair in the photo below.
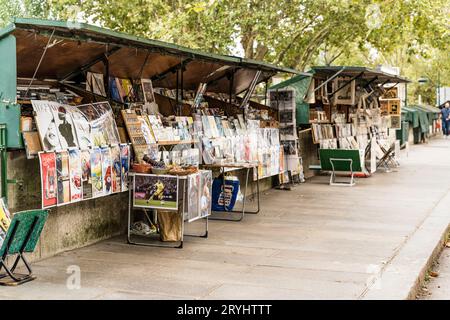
(22, 236)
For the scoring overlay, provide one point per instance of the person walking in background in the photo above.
(445, 118)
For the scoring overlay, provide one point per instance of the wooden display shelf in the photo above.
(169, 143)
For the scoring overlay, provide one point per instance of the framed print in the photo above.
(155, 191)
(345, 95)
(49, 186)
(147, 89)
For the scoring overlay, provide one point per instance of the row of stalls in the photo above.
(354, 116)
(106, 125)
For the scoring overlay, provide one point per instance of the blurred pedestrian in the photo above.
(445, 118)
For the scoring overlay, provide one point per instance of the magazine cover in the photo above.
(125, 165)
(193, 184)
(82, 127)
(5, 218)
(86, 177)
(205, 192)
(96, 172)
(116, 169)
(156, 191)
(62, 172)
(48, 179)
(48, 131)
(75, 175)
(65, 127)
(106, 171)
(107, 123)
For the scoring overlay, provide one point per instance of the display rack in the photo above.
(181, 211)
(237, 215)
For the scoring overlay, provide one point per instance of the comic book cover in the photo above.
(48, 179)
(125, 165)
(63, 177)
(106, 122)
(96, 172)
(116, 169)
(193, 189)
(86, 177)
(5, 218)
(76, 193)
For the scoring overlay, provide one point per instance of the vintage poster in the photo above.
(116, 169)
(65, 127)
(48, 131)
(106, 171)
(75, 175)
(205, 192)
(86, 177)
(156, 191)
(96, 172)
(48, 179)
(125, 165)
(63, 177)
(97, 135)
(147, 89)
(82, 127)
(193, 198)
(107, 123)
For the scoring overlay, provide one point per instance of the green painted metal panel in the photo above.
(326, 154)
(9, 110)
(22, 223)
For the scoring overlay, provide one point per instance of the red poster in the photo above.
(48, 179)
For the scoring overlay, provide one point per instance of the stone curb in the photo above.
(402, 278)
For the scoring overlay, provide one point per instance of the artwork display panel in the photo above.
(205, 193)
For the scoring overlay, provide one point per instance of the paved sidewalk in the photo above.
(314, 242)
(438, 288)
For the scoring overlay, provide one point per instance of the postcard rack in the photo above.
(152, 239)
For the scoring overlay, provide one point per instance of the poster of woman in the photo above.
(47, 128)
(205, 192)
(65, 127)
(48, 179)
